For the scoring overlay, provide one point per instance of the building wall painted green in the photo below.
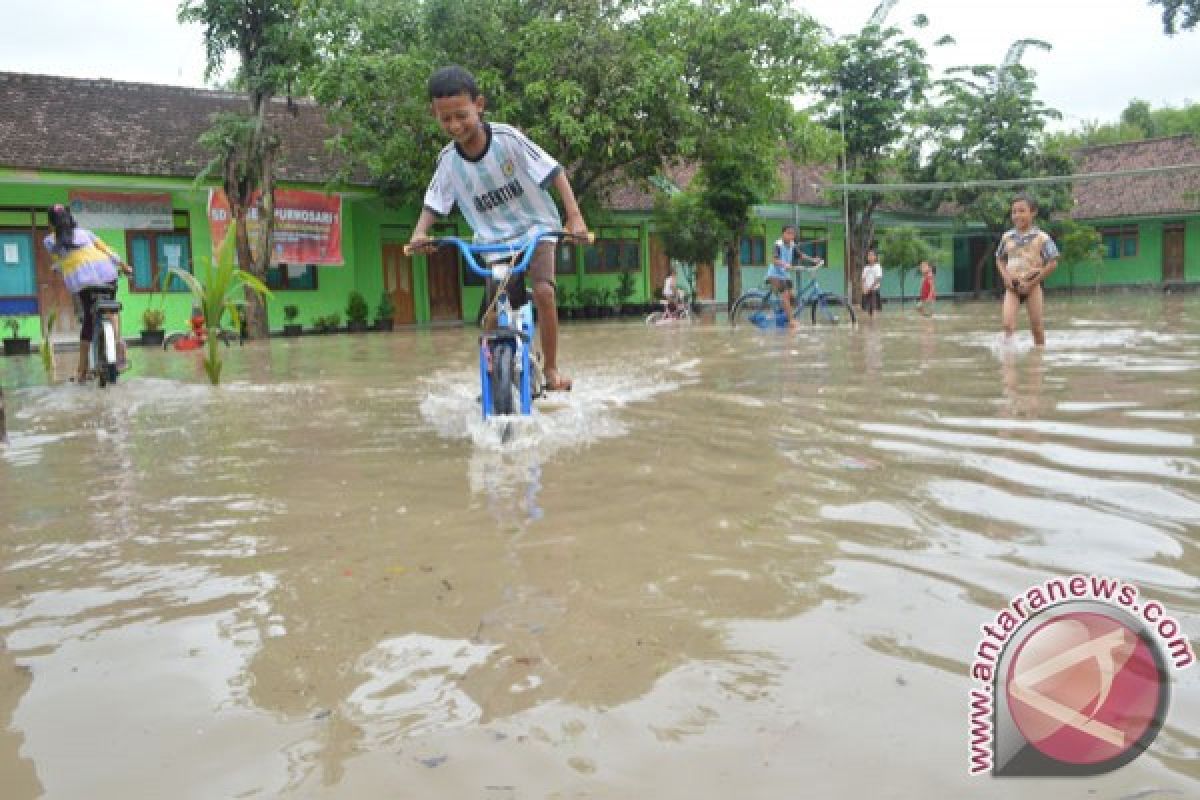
(1146, 267)
(368, 223)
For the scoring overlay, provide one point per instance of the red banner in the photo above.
(308, 226)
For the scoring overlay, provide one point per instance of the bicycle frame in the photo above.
(512, 326)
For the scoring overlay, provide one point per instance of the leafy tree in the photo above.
(873, 85)
(903, 249)
(614, 89)
(690, 231)
(1178, 15)
(1138, 121)
(988, 126)
(742, 61)
(1077, 244)
(580, 77)
(261, 34)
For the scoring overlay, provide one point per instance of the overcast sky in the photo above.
(1106, 52)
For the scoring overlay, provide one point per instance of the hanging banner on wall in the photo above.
(308, 226)
(121, 210)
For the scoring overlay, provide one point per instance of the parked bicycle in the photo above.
(509, 368)
(763, 307)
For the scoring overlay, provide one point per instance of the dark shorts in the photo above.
(780, 285)
(88, 298)
(871, 301)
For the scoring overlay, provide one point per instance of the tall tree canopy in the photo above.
(873, 84)
(270, 53)
(989, 125)
(614, 89)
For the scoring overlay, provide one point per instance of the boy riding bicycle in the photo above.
(499, 180)
(787, 258)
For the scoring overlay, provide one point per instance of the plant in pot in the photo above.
(290, 326)
(625, 293)
(590, 300)
(385, 313)
(15, 344)
(609, 307)
(569, 302)
(152, 326)
(356, 312)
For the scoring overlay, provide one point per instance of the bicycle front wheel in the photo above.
(753, 308)
(832, 309)
(654, 317)
(501, 377)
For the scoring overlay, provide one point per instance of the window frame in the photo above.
(746, 246)
(283, 272)
(626, 238)
(1123, 235)
(156, 273)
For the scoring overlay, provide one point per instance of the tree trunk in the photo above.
(255, 315)
(979, 262)
(735, 271)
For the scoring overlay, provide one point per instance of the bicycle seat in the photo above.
(107, 306)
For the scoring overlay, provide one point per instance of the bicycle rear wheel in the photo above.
(501, 377)
(102, 341)
(753, 308)
(832, 309)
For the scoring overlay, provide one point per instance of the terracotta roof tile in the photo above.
(104, 126)
(1165, 193)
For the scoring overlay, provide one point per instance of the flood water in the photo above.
(728, 564)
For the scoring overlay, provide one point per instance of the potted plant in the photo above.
(385, 313)
(15, 344)
(356, 312)
(290, 326)
(625, 293)
(152, 327)
(589, 298)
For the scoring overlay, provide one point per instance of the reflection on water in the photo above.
(725, 560)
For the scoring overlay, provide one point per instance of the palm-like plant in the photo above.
(218, 292)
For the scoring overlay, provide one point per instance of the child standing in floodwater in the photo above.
(1025, 258)
(928, 289)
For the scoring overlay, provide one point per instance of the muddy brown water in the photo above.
(730, 563)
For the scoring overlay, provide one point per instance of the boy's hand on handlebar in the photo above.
(576, 226)
(419, 244)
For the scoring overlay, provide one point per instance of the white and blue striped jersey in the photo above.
(502, 193)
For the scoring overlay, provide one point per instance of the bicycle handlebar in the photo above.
(525, 245)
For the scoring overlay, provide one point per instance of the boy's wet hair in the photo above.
(452, 81)
(787, 228)
(1026, 198)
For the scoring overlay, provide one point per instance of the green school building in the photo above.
(67, 140)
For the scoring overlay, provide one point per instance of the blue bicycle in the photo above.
(509, 372)
(763, 307)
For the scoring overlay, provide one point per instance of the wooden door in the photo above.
(1173, 253)
(445, 290)
(660, 265)
(398, 282)
(704, 282)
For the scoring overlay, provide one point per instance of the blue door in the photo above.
(18, 284)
